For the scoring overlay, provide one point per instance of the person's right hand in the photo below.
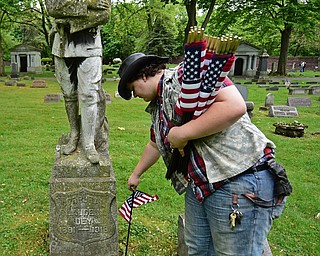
(133, 182)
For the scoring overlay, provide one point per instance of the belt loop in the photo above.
(234, 199)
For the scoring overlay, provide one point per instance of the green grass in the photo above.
(30, 129)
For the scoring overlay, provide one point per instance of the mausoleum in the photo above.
(26, 58)
(246, 62)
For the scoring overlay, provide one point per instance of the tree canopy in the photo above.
(282, 27)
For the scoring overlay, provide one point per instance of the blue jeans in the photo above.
(207, 227)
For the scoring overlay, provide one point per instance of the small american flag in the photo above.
(139, 198)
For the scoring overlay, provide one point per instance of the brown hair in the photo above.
(150, 70)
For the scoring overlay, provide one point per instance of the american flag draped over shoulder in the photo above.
(207, 63)
(193, 67)
(135, 200)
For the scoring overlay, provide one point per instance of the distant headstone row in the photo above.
(35, 83)
(305, 90)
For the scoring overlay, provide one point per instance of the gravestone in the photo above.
(263, 86)
(14, 70)
(273, 88)
(10, 83)
(297, 91)
(296, 102)
(49, 98)
(108, 98)
(263, 66)
(83, 210)
(283, 111)
(182, 249)
(315, 90)
(244, 93)
(38, 84)
(311, 82)
(269, 101)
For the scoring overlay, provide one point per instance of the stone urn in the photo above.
(294, 129)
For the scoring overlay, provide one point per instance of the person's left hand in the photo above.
(176, 139)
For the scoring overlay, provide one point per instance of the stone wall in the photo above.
(312, 62)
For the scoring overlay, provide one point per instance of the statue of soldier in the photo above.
(77, 54)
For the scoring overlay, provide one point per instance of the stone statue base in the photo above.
(83, 209)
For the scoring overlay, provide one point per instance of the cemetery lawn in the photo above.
(30, 129)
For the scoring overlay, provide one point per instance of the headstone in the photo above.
(14, 70)
(38, 84)
(250, 107)
(297, 91)
(243, 91)
(83, 209)
(11, 83)
(263, 66)
(315, 90)
(49, 98)
(182, 249)
(311, 82)
(269, 100)
(108, 98)
(283, 111)
(263, 86)
(273, 88)
(296, 102)
(273, 67)
(21, 84)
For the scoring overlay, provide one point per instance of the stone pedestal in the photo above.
(83, 210)
(262, 73)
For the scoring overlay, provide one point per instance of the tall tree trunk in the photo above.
(191, 7)
(285, 39)
(2, 72)
(210, 10)
(43, 23)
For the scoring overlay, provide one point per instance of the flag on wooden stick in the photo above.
(135, 200)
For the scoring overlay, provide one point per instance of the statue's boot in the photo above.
(72, 109)
(88, 122)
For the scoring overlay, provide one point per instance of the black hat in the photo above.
(131, 66)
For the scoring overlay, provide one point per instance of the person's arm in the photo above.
(149, 156)
(228, 107)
